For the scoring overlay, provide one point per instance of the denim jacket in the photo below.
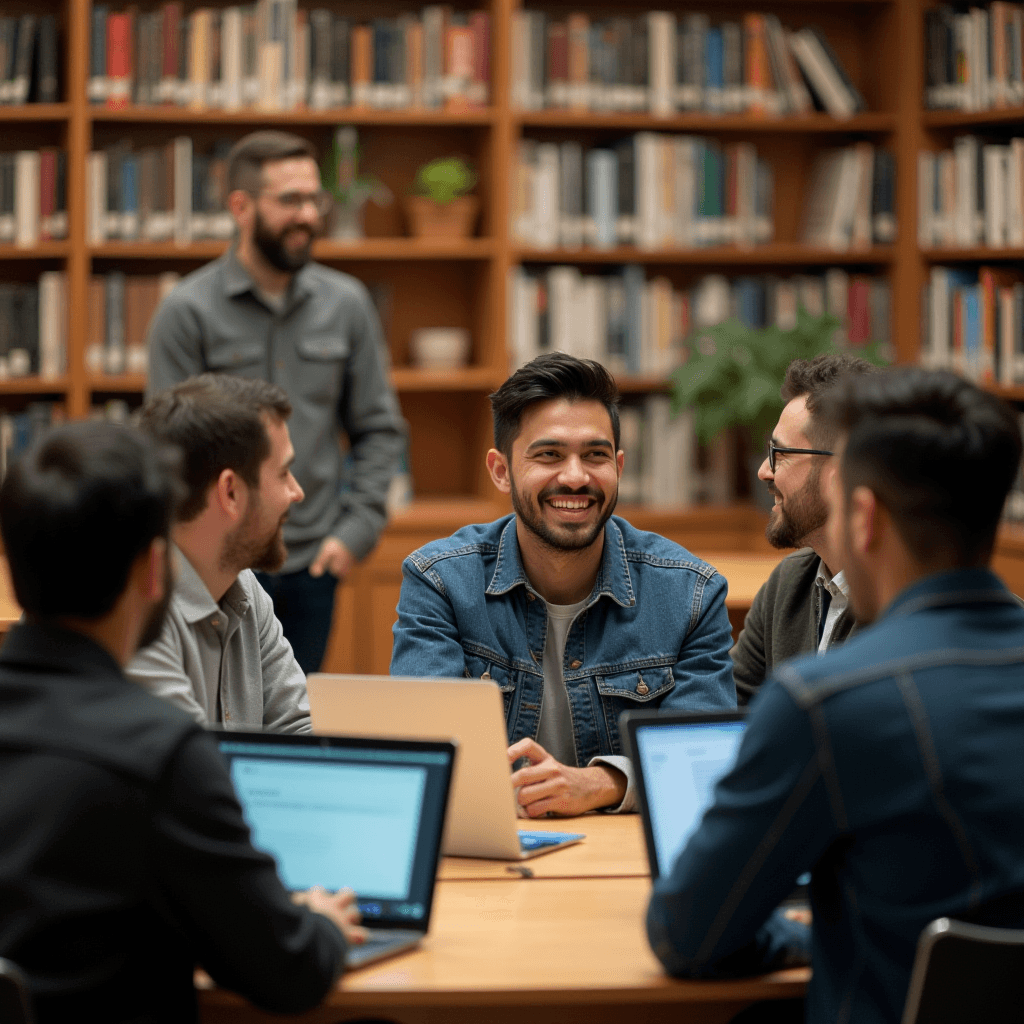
(654, 630)
(892, 769)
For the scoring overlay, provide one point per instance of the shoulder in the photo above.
(195, 289)
(652, 550)
(327, 281)
(473, 543)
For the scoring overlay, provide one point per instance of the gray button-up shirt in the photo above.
(325, 349)
(226, 664)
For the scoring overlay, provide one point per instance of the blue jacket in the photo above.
(893, 769)
(654, 631)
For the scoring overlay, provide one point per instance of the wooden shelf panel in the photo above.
(1011, 394)
(781, 252)
(467, 378)
(33, 386)
(696, 122)
(341, 115)
(123, 383)
(366, 249)
(974, 254)
(36, 112)
(42, 251)
(641, 384)
(969, 119)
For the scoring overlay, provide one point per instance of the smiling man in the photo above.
(802, 606)
(573, 613)
(222, 656)
(265, 311)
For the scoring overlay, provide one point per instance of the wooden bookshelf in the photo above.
(782, 254)
(748, 124)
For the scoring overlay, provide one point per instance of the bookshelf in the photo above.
(465, 284)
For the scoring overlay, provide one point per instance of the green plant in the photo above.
(340, 173)
(732, 374)
(444, 179)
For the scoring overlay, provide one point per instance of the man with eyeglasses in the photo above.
(265, 310)
(803, 605)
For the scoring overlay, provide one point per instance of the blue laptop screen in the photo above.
(681, 765)
(364, 818)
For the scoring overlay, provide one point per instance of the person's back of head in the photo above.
(218, 422)
(77, 510)
(938, 452)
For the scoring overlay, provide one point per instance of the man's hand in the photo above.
(340, 907)
(333, 557)
(547, 785)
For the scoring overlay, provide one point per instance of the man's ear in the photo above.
(865, 520)
(620, 460)
(230, 493)
(497, 466)
(240, 206)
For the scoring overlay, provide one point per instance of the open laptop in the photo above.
(482, 821)
(362, 813)
(678, 758)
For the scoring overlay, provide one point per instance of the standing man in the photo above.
(890, 768)
(803, 606)
(576, 615)
(124, 857)
(263, 310)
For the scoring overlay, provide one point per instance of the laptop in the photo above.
(482, 820)
(363, 813)
(678, 759)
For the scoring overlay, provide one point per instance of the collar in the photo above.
(47, 645)
(613, 579)
(238, 281)
(193, 597)
(950, 588)
(835, 585)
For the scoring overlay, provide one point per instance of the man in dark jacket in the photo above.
(803, 605)
(124, 857)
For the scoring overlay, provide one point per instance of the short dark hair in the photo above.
(217, 421)
(76, 511)
(937, 451)
(249, 154)
(552, 375)
(813, 378)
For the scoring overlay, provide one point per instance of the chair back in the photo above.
(965, 973)
(15, 999)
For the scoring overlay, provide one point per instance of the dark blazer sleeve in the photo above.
(748, 654)
(226, 896)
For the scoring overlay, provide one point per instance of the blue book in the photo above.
(97, 88)
(602, 193)
(714, 70)
(130, 196)
(972, 332)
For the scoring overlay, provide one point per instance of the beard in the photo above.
(244, 549)
(154, 624)
(273, 250)
(799, 515)
(564, 536)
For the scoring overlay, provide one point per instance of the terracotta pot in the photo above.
(428, 219)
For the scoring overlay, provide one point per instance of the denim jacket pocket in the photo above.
(626, 691)
(479, 666)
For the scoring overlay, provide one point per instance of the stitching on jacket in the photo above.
(698, 598)
(828, 766)
(424, 563)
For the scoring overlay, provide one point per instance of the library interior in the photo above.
(626, 185)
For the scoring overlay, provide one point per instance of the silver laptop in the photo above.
(482, 820)
(362, 813)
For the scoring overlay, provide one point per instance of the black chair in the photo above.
(965, 973)
(15, 999)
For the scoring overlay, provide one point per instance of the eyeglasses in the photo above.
(295, 202)
(774, 449)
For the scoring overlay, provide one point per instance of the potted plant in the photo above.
(732, 375)
(350, 190)
(440, 206)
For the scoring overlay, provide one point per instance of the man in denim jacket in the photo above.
(573, 613)
(891, 767)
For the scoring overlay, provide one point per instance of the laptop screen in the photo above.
(680, 762)
(366, 814)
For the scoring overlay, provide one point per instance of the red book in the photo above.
(169, 62)
(47, 191)
(558, 64)
(119, 59)
(858, 312)
(480, 23)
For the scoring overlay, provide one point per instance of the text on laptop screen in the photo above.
(681, 765)
(340, 817)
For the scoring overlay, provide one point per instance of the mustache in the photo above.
(568, 492)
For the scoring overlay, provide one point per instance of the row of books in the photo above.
(652, 190)
(973, 56)
(19, 430)
(274, 55)
(660, 454)
(33, 196)
(28, 59)
(158, 193)
(973, 322)
(662, 63)
(851, 198)
(972, 194)
(33, 327)
(120, 309)
(638, 326)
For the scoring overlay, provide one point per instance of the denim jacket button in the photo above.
(642, 688)
(531, 597)
(575, 664)
(486, 675)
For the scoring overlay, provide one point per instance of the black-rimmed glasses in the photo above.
(294, 202)
(774, 449)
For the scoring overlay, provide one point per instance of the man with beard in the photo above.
(124, 856)
(573, 613)
(802, 606)
(222, 656)
(263, 310)
(890, 767)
